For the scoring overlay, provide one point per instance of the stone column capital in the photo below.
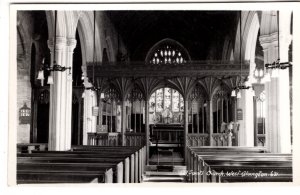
(60, 43)
(267, 40)
(71, 44)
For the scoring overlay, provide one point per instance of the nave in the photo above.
(99, 164)
(204, 100)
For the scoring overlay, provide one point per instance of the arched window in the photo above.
(167, 51)
(166, 106)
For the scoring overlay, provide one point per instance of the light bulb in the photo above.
(256, 73)
(261, 73)
(41, 75)
(238, 95)
(102, 95)
(233, 93)
(50, 80)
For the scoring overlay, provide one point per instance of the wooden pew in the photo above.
(97, 155)
(224, 160)
(35, 175)
(139, 157)
(233, 149)
(74, 164)
(116, 163)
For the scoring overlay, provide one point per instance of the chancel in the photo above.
(136, 96)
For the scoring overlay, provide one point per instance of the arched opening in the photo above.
(42, 117)
(111, 111)
(166, 111)
(77, 102)
(136, 111)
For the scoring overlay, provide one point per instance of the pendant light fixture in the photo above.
(94, 62)
(276, 66)
(236, 92)
(55, 66)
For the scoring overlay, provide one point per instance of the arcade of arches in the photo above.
(144, 86)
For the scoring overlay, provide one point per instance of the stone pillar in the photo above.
(100, 105)
(278, 129)
(186, 126)
(89, 121)
(209, 119)
(246, 131)
(147, 130)
(61, 96)
(123, 122)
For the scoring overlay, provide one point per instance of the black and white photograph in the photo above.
(142, 94)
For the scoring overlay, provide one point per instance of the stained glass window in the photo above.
(167, 99)
(167, 55)
(152, 103)
(167, 51)
(159, 100)
(176, 104)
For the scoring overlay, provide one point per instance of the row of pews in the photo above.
(237, 164)
(82, 164)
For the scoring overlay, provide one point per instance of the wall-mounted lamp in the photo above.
(277, 65)
(55, 66)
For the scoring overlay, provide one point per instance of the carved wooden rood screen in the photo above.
(205, 88)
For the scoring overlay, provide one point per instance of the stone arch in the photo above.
(21, 47)
(250, 26)
(250, 29)
(66, 24)
(85, 28)
(227, 49)
(110, 48)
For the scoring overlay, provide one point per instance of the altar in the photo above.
(167, 134)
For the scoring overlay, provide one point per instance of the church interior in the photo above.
(136, 96)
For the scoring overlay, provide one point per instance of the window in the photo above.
(166, 106)
(167, 51)
(167, 55)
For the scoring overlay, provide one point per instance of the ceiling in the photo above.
(195, 30)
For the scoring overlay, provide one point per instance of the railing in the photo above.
(103, 139)
(261, 139)
(194, 140)
(135, 139)
(221, 139)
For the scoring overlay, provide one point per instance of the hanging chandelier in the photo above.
(55, 66)
(236, 92)
(277, 65)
